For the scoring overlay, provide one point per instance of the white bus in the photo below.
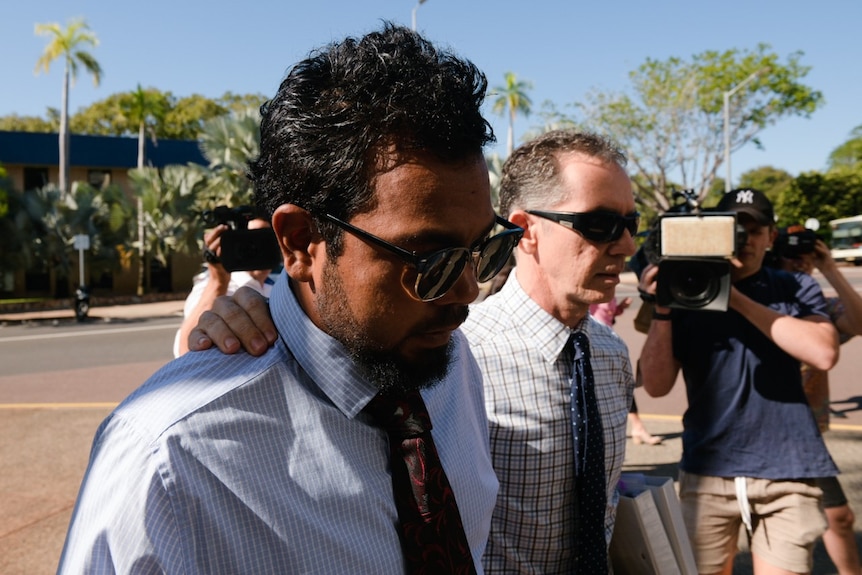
(847, 240)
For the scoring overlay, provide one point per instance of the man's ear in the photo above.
(299, 240)
(523, 220)
(773, 235)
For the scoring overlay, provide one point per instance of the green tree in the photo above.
(771, 181)
(16, 123)
(848, 154)
(181, 119)
(512, 99)
(229, 142)
(168, 198)
(116, 114)
(12, 242)
(69, 44)
(495, 174)
(186, 118)
(147, 110)
(551, 119)
(174, 198)
(835, 194)
(46, 220)
(42, 221)
(104, 117)
(239, 103)
(104, 215)
(671, 123)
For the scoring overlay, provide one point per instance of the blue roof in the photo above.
(40, 149)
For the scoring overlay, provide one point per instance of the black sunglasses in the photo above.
(437, 272)
(598, 226)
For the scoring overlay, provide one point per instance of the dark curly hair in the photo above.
(531, 175)
(337, 110)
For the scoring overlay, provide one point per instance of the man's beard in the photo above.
(385, 369)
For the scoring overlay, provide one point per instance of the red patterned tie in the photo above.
(432, 535)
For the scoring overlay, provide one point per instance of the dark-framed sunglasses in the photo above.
(598, 226)
(437, 272)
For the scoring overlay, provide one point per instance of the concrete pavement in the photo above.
(166, 308)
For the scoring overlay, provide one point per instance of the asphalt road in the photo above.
(58, 380)
(81, 363)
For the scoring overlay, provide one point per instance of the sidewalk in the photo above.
(169, 308)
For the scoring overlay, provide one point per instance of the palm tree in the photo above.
(68, 43)
(169, 199)
(495, 175)
(45, 222)
(146, 109)
(229, 142)
(512, 98)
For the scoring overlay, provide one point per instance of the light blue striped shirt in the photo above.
(234, 464)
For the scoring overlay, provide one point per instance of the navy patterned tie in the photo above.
(432, 535)
(590, 488)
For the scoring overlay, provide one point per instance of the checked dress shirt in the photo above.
(527, 370)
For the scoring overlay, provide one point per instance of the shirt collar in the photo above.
(548, 334)
(324, 359)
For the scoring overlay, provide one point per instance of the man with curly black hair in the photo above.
(557, 433)
(371, 165)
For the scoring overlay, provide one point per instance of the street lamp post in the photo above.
(727, 96)
(415, 8)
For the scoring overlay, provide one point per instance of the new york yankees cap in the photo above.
(748, 201)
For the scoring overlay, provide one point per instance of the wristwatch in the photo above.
(661, 316)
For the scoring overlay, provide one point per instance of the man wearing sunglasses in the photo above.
(371, 165)
(570, 194)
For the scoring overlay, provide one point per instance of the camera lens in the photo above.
(694, 284)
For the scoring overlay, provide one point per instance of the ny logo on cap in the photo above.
(744, 197)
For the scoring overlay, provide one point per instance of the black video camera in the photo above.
(794, 241)
(692, 248)
(242, 248)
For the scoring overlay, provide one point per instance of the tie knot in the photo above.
(580, 345)
(401, 415)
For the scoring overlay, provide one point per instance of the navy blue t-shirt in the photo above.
(747, 413)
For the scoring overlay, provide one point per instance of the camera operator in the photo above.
(799, 250)
(751, 449)
(216, 281)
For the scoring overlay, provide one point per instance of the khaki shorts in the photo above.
(786, 520)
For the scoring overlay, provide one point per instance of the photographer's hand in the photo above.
(850, 321)
(212, 246)
(217, 284)
(657, 367)
(823, 259)
(647, 286)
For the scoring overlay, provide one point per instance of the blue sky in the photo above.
(565, 48)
